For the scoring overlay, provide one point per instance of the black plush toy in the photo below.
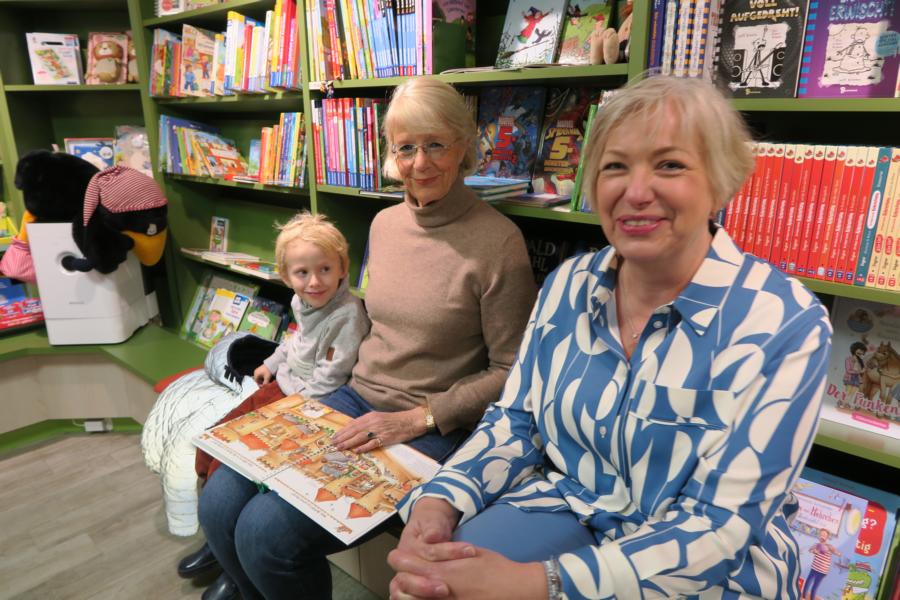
(124, 210)
(53, 185)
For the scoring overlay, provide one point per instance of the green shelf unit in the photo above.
(586, 75)
(226, 269)
(55, 89)
(273, 103)
(851, 291)
(277, 189)
(818, 105)
(211, 16)
(864, 444)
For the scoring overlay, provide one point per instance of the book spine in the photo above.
(891, 209)
(842, 224)
(873, 214)
(812, 24)
(698, 37)
(812, 208)
(865, 168)
(783, 212)
(825, 264)
(893, 270)
(817, 235)
(805, 157)
(748, 237)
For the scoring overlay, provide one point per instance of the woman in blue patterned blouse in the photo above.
(663, 401)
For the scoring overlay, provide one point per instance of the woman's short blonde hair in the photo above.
(703, 114)
(425, 105)
(315, 229)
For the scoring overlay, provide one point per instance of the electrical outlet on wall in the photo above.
(98, 425)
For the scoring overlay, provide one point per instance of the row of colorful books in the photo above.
(278, 157)
(249, 57)
(524, 133)
(56, 58)
(222, 305)
(780, 48)
(822, 212)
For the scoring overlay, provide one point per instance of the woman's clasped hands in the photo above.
(429, 565)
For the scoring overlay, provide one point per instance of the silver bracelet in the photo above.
(554, 583)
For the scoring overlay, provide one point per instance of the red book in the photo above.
(764, 238)
(891, 205)
(822, 209)
(831, 217)
(853, 171)
(783, 212)
(752, 201)
(737, 210)
(800, 199)
(866, 178)
(812, 208)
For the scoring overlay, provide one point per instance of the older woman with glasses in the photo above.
(450, 289)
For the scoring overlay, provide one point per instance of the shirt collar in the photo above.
(700, 301)
(458, 201)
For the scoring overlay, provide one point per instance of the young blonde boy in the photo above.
(312, 258)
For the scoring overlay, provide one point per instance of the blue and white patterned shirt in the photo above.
(680, 459)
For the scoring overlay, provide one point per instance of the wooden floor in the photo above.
(83, 518)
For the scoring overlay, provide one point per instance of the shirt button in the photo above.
(657, 324)
(603, 431)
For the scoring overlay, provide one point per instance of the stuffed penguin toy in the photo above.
(124, 210)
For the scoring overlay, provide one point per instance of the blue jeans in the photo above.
(525, 536)
(269, 548)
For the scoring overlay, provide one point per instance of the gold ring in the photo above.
(379, 442)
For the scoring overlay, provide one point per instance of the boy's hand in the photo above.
(262, 375)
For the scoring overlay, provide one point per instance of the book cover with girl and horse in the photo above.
(863, 387)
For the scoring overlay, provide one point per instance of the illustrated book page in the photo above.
(286, 445)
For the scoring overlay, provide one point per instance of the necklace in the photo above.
(635, 334)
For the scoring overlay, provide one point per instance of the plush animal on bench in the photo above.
(189, 405)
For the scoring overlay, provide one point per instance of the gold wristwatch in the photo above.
(430, 427)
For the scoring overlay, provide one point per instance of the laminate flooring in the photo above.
(83, 518)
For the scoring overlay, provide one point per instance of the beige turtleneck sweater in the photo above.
(450, 290)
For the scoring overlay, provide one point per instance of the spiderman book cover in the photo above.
(509, 123)
(863, 387)
(760, 43)
(531, 32)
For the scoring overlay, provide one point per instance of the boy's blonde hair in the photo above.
(315, 229)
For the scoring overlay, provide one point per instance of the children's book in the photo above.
(561, 140)
(530, 33)
(8, 230)
(107, 59)
(863, 388)
(509, 120)
(256, 268)
(132, 148)
(844, 532)
(450, 40)
(539, 200)
(218, 234)
(484, 184)
(197, 61)
(850, 50)
(218, 155)
(100, 152)
(263, 318)
(286, 446)
(253, 158)
(55, 58)
(203, 297)
(760, 47)
(223, 316)
(581, 19)
(169, 7)
(227, 258)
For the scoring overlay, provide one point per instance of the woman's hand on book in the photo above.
(262, 375)
(376, 429)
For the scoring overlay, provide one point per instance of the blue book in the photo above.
(509, 122)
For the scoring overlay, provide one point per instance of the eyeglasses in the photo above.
(432, 150)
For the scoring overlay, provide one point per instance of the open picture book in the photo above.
(286, 446)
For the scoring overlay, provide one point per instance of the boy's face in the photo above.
(313, 273)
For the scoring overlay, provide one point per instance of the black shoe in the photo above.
(197, 563)
(223, 588)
